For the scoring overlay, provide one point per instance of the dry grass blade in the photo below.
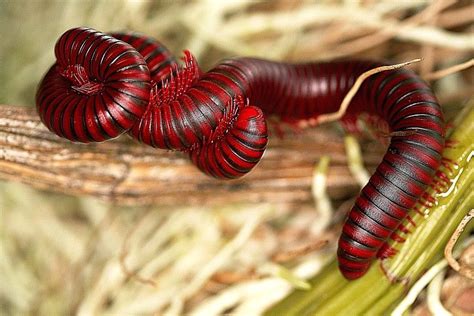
(285, 256)
(448, 251)
(450, 70)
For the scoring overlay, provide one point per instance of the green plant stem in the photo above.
(375, 293)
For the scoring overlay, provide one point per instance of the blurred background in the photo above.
(64, 254)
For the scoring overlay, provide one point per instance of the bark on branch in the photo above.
(133, 174)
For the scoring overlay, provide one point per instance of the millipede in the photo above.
(104, 85)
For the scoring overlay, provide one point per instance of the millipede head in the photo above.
(97, 89)
(238, 151)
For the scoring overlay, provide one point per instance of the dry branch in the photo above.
(128, 173)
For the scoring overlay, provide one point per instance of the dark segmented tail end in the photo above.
(98, 88)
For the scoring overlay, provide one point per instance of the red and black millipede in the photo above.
(104, 85)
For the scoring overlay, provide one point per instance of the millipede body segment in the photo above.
(103, 85)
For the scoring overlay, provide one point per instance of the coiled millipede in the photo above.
(104, 85)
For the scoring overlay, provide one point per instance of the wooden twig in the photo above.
(133, 174)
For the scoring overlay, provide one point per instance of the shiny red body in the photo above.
(101, 87)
